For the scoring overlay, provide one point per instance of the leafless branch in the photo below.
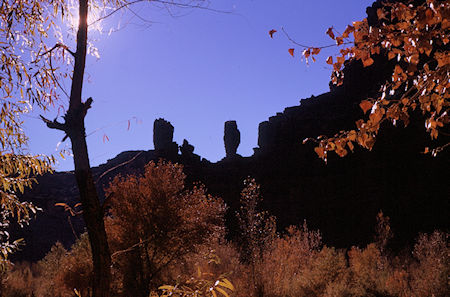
(54, 124)
(56, 80)
(131, 248)
(117, 166)
(308, 46)
(438, 150)
(172, 3)
(59, 45)
(139, 16)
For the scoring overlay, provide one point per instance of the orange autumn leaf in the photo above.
(330, 60)
(306, 53)
(381, 14)
(365, 105)
(376, 116)
(350, 146)
(367, 62)
(442, 59)
(341, 59)
(337, 66)
(347, 31)
(352, 135)
(315, 51)
(291, 51)
(271, 32)
(330, 32)
(391, 55)
(320, 152)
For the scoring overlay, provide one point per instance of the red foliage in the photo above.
(155, 222)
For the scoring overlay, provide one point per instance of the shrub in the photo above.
(155, 222)
(50, 266)
(20, 280)
(75, 269)
(285, 261)
(431, 269)
(368, 270)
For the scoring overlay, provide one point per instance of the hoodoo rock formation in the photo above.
(186, 149)
(163, 138)
(231, 138)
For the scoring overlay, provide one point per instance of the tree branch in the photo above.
(56, 80)
(59, 45)
(54, 124)
(181, 5)
(87, 105)
(307, 46)
(117, 166)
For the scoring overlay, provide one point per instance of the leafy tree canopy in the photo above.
(25, 80)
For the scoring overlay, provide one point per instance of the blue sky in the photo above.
(198, 71)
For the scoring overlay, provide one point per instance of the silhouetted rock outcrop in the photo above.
(231, 138)
(163, 138)
(186, 149)
(187, 153)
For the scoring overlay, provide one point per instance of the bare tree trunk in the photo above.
(92, 214)
(75, 130)
(92, 211)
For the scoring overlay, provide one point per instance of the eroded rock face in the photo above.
(231, 138)
(163, 137)
(186, 149)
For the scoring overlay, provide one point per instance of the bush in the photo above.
(431, 269)
(162, 233)
(156, 222)
(20, 280)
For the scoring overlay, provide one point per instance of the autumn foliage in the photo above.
(168, 240)
(155, 222)
(414, 36)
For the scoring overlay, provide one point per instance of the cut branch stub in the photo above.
(54, 124)
(70, 119)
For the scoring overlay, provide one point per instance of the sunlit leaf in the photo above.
(166, 287)
(271, 32)
(365, 105)
(320, 151)
(306, 53)
(223, 292)
(291, 51)
(227, 284)
(367, 62)
(330, 33)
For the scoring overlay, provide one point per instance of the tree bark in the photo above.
(75, 129)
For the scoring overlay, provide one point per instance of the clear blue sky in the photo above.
(198, 71)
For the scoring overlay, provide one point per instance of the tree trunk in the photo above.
(74, 127)
(92, 214)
